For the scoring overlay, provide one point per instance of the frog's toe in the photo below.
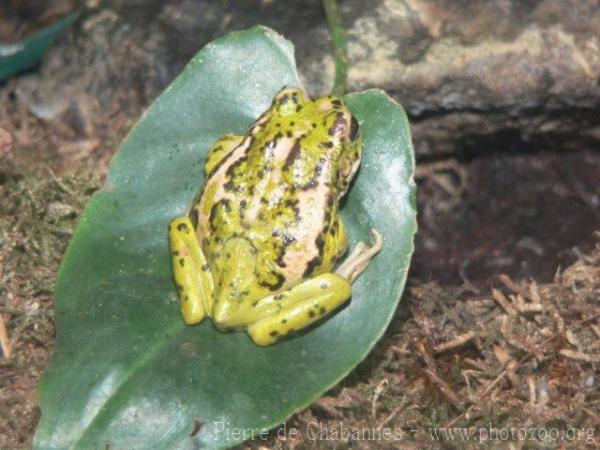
(360, 257)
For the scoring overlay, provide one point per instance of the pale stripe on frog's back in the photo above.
(298, 234)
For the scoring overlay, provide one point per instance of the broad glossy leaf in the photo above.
(127, 373)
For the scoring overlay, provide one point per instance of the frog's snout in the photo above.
(289, 99)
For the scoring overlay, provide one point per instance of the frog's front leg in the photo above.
(191, 271)
(220, 149)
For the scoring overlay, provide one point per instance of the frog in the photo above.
(258, 247)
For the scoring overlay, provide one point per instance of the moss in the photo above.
(38, 211)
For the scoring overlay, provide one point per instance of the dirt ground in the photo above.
(496, 341)
(499, 323)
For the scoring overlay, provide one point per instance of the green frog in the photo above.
(257, 249)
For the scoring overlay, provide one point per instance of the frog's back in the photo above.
(256, 195)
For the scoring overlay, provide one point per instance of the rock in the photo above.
(468, 72)
(475, 77)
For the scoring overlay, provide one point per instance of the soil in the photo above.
(498, 325)
(521, 214)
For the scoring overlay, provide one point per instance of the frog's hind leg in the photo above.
(191, 272)
(309, 301)
(220, 149)
(299, 307)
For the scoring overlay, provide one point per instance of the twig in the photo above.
(393, 414)
(458, 341)
(63, 187)
(4, 339)
(435, 379)
(580, 356)
(444, 388)
(591, 413)
(378, 391)
(338, 37)
(503, 302)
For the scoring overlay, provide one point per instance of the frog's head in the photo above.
(326, 129)
(325, 114)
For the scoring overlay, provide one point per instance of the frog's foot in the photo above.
(191, 272)
(360, 257)
(298, 307)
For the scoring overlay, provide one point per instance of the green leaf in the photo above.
(126, 371)
(23, 55)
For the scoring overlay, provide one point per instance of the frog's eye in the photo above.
(353, 129)
(339, 125)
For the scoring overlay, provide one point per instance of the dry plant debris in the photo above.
(515, 368)
(38, 211)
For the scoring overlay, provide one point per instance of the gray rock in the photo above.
(513, 71)
(474, 76)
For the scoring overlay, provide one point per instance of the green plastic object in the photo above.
(25, 54)
(126, 372)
